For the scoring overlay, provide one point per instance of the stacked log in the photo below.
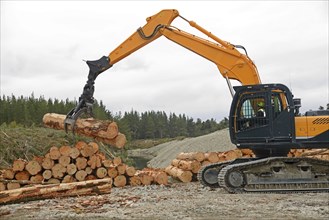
(149, 176)
(89, 187)
(186, 165)
(79, 163)
(322, 154)
(102, 130)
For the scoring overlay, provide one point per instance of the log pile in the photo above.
(102, 130)
(79, 163)
(89, 187)
(186, 165)
(322, 154)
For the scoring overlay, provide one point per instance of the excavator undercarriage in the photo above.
(273, 174)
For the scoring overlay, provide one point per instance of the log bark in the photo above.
(90, 187)
(211, 156)
(205, 162)
(199, 156)
(53, 181)
(221, 157)
(246, 152)
(119, 141)
(144, 177)
(91, 177)
(21, 182)
(232, 154)
(11, 186)
(158, 176)
(182, 175)
(102, 130)
(312, 152)
(191, 165)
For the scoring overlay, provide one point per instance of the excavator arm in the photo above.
(231, 63)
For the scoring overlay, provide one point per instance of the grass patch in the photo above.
(22, 142)
(26, 142)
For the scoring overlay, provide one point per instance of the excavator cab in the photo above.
(262, 119)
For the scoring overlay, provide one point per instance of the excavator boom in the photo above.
(231, 63)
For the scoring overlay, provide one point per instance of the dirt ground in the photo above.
(176, 201)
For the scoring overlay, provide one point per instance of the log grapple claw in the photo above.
(75, 113)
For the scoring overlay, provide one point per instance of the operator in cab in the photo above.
(261, 110)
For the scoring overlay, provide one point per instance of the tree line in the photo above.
(28, 111)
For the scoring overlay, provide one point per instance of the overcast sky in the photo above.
(43, 45)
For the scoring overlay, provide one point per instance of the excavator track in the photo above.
(276, 175)
(208, 174)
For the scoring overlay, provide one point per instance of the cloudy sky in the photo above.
(43, 45)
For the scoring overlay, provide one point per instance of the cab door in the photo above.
(249, 128)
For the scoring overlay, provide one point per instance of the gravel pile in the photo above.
(163, 154)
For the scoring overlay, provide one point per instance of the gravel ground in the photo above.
(176, 201)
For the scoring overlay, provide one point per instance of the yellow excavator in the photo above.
(263, 117)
